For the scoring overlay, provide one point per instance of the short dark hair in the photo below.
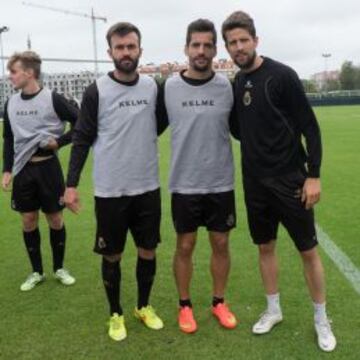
(122, 29)
(28, 59)
(200, 25)
(238, 19)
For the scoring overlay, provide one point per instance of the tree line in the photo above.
(349, 79)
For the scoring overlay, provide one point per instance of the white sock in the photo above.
(273, 303)
(320, 312)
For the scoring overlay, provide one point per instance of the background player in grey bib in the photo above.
(199, 104)
(118, 119)
(34, 124)
(273, 114)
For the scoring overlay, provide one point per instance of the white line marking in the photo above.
(341, 260)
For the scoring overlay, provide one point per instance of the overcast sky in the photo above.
(296, 32)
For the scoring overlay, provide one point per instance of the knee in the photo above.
(220, 246)
(310, 256)
(30, 221)
(55, 221)
(146, 254)
(185, 249)
(267, 249)
(112, 258)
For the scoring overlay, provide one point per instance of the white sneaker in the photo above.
(64, 277)
(266, 322)
(325, 336)
(31, 281)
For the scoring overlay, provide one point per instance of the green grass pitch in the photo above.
(53, 322)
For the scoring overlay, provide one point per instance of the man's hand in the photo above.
(52, 144)
(6, 181)
(311, 192)
(72, 200)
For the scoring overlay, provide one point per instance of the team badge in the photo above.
(247, 98)
(298, 193)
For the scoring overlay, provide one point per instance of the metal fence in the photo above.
(339, 97)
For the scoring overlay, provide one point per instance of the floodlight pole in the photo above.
(2, 93)
(326, 56)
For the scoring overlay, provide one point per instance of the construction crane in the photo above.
(91, 16)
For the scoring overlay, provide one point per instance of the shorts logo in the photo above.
(13, 204)
(248, 85)
(230, 221)
(101, 243)
(247, 98)
(298, 193)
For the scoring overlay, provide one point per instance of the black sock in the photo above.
(111, 275)
(186, 302)
(57, 241)
(145, 273)
(217, 300)
(32, 243)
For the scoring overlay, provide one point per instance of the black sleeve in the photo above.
(234, 122)
(84, 134)
(161, 112)
(66, 111)
(300, 109)
(8, 146)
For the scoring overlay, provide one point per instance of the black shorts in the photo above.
(277, 200)
(141, 214)
(39, 185)
(215, 211)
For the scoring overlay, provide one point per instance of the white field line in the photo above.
(341, 260)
